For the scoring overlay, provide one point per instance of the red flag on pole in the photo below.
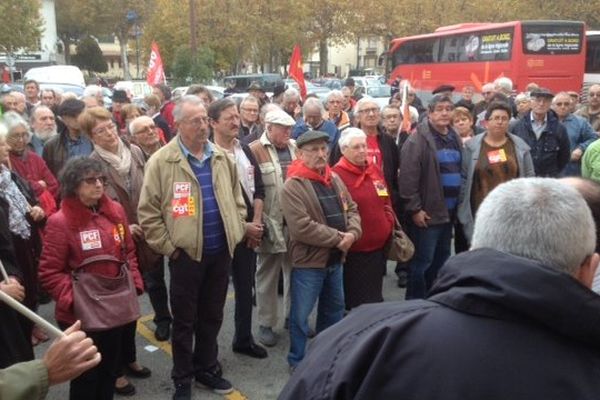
(156, 73)
(295, 71)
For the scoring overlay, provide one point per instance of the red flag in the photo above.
(295, 71)
(156, 73)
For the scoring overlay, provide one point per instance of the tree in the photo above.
(189, 69)
(74, 20)
(21, 27)
(89, 56)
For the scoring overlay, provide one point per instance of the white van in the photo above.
(57, 74)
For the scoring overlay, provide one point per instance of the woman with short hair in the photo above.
(366, 259)
(489, 159)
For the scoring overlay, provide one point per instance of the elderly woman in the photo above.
(489, 159)
(27, 163)
(25, 219)
(366, 259)
(88, 224)
(125, 174)
(523, 103)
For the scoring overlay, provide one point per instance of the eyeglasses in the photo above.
(19, 135)
(146, 130)
(374, 110)
(92, 180)
(197, 121)
(594, 94)
(111, 127)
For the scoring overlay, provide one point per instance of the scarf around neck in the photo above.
(298, 169)
(120, 161)
(17, 205)
(371, 171)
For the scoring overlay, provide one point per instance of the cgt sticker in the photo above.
(184, 207)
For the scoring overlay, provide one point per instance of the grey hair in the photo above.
(313, 102)
(335, 93)
(267, 108)
(504, 83)
(187, 99)
(289, 94)
(523, 96)
(136, 121)
(348, 134)
(542, 219)
(564, 94)
(13, 120)
(18, 95)
(35, 110)
(364, 100)
(3, 131)
(249, 99)
(488, 86)
(92, 90)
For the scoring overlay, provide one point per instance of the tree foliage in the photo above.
(188, 68)
(89, 56)
(21, 27)
(74, 21)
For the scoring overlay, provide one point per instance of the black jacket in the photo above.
(391, 163)
(552, 151)
(495, 327)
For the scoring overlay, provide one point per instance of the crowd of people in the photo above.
(284, 196)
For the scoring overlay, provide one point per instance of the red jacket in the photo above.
(74, 233)
(33, 168)
(167, 113)
(369, 191)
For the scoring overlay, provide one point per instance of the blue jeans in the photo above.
(432, 249)
(308, 285)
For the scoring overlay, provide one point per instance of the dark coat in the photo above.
(390, 154)
(259, 187)
(420, 178)
(495, 326)
(552, 151)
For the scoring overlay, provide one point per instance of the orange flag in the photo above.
(405, 110)
(156, 73)
(295, 71)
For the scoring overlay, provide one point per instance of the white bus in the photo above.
(592, 62)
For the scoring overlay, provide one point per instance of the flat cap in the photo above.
(541, 92)
(279, 117)
(443, 88)
(256, 86)
(311, 136)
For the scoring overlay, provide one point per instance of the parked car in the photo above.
(137, 89)
(218, 92)
(380, 94)
(241, 83)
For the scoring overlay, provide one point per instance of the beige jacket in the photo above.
(273, 179)
(311, 239)
(170, 208)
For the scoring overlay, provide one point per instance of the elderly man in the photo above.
(9, 102)
(43, 126)
(518, 301)
(250, 128)
(391, 119)
(545, 135)
(48, 98)
(21, 107)
(192, 211)
(323, 222)
(579, 131)
(290, 103)
(335, 114)
(70, 142)
(429, 188)
(32, 93)
(312, 119)
(258, 92)
(591, 111)
(274, 152)
(224, 121)
(487, 91)
(144, 134)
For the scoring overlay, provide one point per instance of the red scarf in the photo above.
(297, 168)
(371, 170)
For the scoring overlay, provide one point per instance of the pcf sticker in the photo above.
(90, 240)
(182, 190)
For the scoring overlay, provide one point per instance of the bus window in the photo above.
(592, 58)
(417, 52)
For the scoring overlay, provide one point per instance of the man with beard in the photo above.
(43, 125)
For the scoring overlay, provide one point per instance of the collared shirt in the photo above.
(192, 159)
(537, 127)
(80, 147)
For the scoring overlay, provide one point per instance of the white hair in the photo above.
(187, 99)
(3, 131)
(136, 121)
(488, 87)
(523, 96)
(335, 93)
(313, 102)
(13, 120)
(348, 134)
(92, 90)
(561, 94)
(504, 83)
(364, 100)
(18, 95)
(541, 219)
(289, 94)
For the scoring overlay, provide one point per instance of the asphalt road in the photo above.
(253, 379)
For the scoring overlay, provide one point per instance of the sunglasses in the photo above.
(93, 179)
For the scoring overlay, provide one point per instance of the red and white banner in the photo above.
(156, 73)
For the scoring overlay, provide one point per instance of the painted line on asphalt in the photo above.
(148, 334)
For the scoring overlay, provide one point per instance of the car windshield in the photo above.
(379, 91)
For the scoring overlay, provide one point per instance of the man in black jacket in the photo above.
(547, 137)
(513, 318)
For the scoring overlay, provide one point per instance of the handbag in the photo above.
(400, 247)
(102, 302)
